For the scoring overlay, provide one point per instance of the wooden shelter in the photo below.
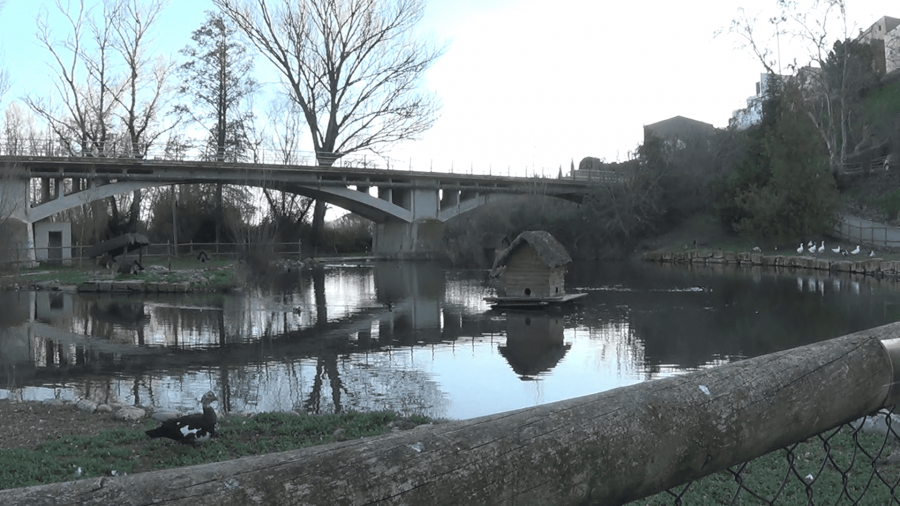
(531, 271)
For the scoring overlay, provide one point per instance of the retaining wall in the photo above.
(870, 266)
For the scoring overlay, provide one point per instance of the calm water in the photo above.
(416, 338)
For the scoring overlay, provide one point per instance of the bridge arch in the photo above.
(406, 205)
(357, 202)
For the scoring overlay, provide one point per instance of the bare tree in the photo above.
(353, 66)
(832, 75)
(145, 91)
(105, 81)
(146, 85)
(82, 77)
(286, 124)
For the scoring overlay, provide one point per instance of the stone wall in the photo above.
(870, 266)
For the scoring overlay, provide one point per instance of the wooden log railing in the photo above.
(607, 448)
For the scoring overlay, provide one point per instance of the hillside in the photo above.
(874, 196)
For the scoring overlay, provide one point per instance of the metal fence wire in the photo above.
(855, 463)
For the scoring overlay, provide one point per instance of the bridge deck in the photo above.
(250, 173)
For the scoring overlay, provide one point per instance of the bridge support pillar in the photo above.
(419, 240)
(15, 225)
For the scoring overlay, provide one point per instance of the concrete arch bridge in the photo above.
(408, 207)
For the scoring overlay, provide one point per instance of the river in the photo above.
(416, 338)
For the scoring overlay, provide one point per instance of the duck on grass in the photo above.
(191, 429)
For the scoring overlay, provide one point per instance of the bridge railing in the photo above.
(187, 152)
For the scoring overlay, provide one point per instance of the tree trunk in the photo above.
(218, 213)
(318, 226)
(607, 448)
(134, 215)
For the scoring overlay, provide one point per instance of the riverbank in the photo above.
(54, 441)
(878, 267)
(172, 277)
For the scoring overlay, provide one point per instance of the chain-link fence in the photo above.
(855, 463)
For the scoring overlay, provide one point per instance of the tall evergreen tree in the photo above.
(217, 85)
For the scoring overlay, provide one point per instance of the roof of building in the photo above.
(550, 251)
(678, 124)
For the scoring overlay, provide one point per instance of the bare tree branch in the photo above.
(353, 66)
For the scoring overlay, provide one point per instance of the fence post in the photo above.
(168, 255)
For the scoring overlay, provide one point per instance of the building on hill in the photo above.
(679, 132)
(884, 36)
(742, 119)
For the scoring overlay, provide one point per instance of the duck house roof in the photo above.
(549, 250)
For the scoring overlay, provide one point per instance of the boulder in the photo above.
(130, 414)
(86, 406)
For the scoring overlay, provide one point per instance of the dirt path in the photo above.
(29, 424)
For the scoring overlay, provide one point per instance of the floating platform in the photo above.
(532, 302)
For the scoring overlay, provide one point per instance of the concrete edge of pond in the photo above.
(867, 265)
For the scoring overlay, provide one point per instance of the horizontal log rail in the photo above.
(606, 448)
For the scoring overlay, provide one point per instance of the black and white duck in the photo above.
(191, 429)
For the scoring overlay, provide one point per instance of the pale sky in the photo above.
(531, 83)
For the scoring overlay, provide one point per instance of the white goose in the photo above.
(855, 251)
(821, 248)
(800, 249)
(812, 249)
(872, 253)
(836, 250)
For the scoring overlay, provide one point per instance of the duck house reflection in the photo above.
(534, 342)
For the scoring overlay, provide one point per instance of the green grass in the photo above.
(890, 204)
(128, 450)
(765, 475)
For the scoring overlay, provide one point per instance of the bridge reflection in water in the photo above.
(364, 337)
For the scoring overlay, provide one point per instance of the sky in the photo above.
(530, 85)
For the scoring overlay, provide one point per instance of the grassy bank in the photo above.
(218, 274)
(128, 450)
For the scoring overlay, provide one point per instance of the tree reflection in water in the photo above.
(413, 337)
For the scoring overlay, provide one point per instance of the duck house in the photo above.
(531, 272)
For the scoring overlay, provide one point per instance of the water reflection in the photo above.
(534, 342)
(416, 338)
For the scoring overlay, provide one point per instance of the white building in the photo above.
(884, 36)
(752, 114)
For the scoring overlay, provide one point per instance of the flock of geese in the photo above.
(812, 248)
